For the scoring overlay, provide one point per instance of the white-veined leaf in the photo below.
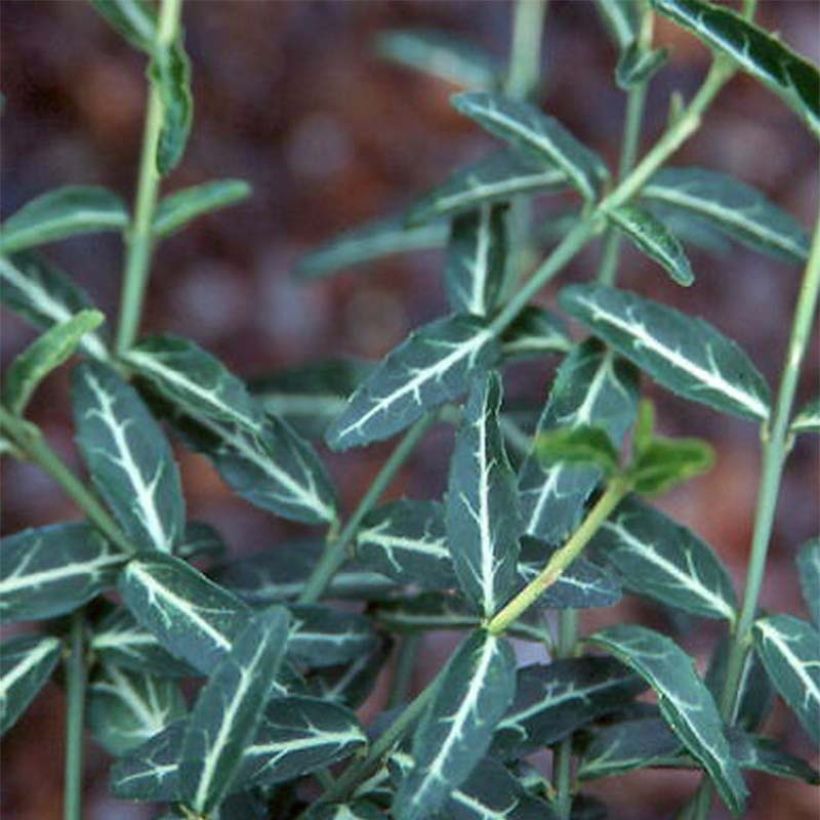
(26, 663)
(432, 366)
(482, 510)
(128, 456)
(135, 20)
(178, 209)
(808, 565)
(684, 354)
(356, 810)
(638, 64)
(229, 710)
(170, 74)
(622, 18)
(535, 332)
(457, 727)
(685, 702)
(62, 213)
(807, 419)
(352, 683)
(658, 558)
(200, 540)
(323, 636)
(650, 235)
(592, 387)
(767, 59)
(790, 650)
(527, 129)
(127, 708)
(52, 570)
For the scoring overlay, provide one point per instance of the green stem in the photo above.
(562, 776)
(617, 488)
(30, 440)
(525, 54)
(336, 552)
(403, 674)
(140, 239)
(76, 677)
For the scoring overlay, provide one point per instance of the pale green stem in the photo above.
(76, 678)
(562, 775)
(140, 239)
(403, 673)
(336, 551)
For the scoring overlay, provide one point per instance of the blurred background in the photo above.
(291, 96)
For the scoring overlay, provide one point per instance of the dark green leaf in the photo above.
(807, 419)
(61, 213)
(322, 636)
(350, 685)
(666, 462)
(129, 459)
(357, 810)
(26, 663)
(534, 332)
(457, 728)
(690, 228)
(764, 755)
(170, 74)
(622, 18)
(52, 570)
(200, 540)
(583, 444)
(135, 20)
(637, 65)
(808, 564)
(432, 366)
(684, 354)
(182, 207)
(529, 130)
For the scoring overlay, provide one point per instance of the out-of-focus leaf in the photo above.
(135, 20)
(583, 444)
(622, 18)
(534, 332)
(808, 565)
(637, 65)
(807, 419)
(178, 209)
(322, 636)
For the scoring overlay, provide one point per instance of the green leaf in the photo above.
(323, 636)
(178, 209)
(52, 570)
(666, 462)
(126, 708)
(407, 540)
(357, 810)
(649, 235)
(457, 728)
(45, 354)
(808, 565)
(40, 293)
(351, 684)
(374, 240)
(229, 710)
(200, 540)
(191, 616)
(441, 55)
(433, 365)
(690, 228)
(482, 510)
(496, 178)
(592, 387)
(476, 256)
(758, 53)
(807, 419)
(128, 456)
(637, 65)
(62, 213)
(731, 206)
(534, 332)
(659, 559)
(133, 19)
(685, 702)
(686, 355)
(622, 18)
(26, 663)
(583, 444)
(528, 130)
(170, 74)
(790, 651)
(310, 396)
(764, 755)
(553, 701)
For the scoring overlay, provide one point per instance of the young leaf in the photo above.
(45, 296)
(622, 18)
(529, 130)
(407, 540)
(553, 701)
(497, 178)
(61, 213)
(808, 565)
(685, 702)
(657, 558)
(322, 636)
(666, 462)
(476, 255)
(592, 387)
(135, 20)
(182, 207)
(441, 55)
(127, 708)
(535, 332)
(649, 235)
(807, 419)
(482, 512)
(128, 456)
(52, 570)
(457, 728)
(384, 237)
(796, 80)
(790, 651)
(170, 74)
(26, 663)
(229, 710)
(45, 354)
(433, 365)
(684, 354)
(731, 206)
(637, 65)
(583, 444)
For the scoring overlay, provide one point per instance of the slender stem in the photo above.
(76, 677)
(336, 552)
(403, 673)
(617, 488)
(30, 440)
(562, 776)
(525, 54)
(140, 240)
